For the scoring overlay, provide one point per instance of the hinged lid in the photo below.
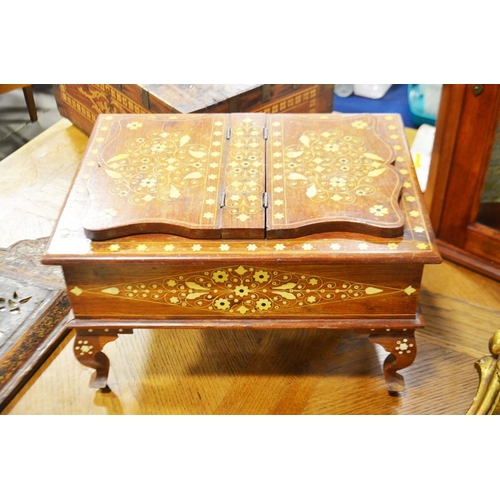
(331, 173)
(241, 176)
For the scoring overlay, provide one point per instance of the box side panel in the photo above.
(280, 98)
(82, 103)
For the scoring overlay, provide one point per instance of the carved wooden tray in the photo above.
(240, 176)
(33, 313)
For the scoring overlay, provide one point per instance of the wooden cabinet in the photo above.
(464, 174)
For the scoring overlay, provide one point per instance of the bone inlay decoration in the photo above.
(243, 290)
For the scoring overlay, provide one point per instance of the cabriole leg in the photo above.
(402, 347)
(88, 351)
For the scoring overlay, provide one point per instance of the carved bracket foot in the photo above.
(88, 351)
(402, 347)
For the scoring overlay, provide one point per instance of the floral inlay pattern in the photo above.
(331, 165)
(341, 171)
(243, 290)
(84, 347)
(245, 175)
(404, 347)
(157, 165)
(163, 162)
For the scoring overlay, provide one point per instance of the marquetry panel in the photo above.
(246, 290)
(149, 173)
(331, 174)
(245, 178)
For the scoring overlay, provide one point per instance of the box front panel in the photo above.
(238, 290)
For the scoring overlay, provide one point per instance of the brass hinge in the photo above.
(264, 133)
(222, 200)
(265, 199)
(228, 133)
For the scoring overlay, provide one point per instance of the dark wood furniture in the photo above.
(82, 103)
(245, 221)
(28, 96)
(467, 131)
(33, 313)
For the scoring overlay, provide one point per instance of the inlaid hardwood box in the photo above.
(82, 103)
(245, 220)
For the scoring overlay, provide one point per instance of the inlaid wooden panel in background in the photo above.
(282, 372)
(82, 103)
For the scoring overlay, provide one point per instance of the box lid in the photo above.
(243, 175)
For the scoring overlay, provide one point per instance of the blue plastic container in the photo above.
(423, 101)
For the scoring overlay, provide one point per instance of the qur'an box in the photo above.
(245, 220)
